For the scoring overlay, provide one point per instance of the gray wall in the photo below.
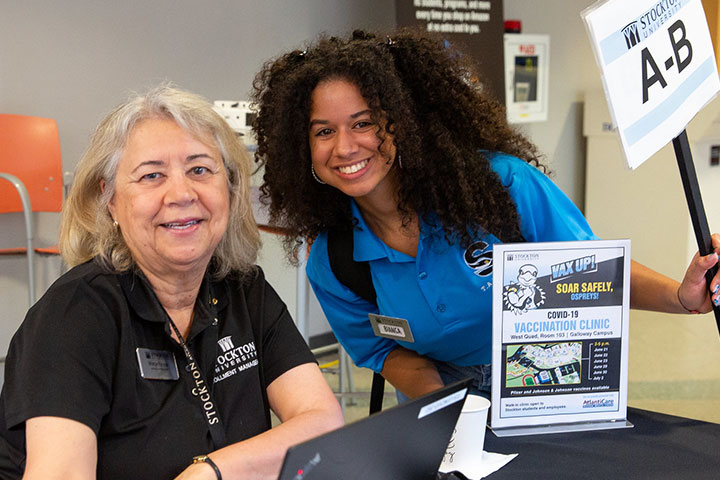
(74, 60)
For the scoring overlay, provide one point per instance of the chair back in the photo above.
(30, 150)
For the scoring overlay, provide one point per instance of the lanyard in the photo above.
(201, 390)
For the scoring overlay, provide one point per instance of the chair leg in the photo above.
(347, 370)
(342, 371)
(377, 392)
(31, 273)
(302, 292)
(27, 213)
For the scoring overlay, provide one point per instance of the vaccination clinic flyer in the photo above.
(560, 335)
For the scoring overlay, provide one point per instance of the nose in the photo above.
(180, 190)
(345, 144)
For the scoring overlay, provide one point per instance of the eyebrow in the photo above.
(190, 158)
(154, 163)
(352, 116)
(146, 163)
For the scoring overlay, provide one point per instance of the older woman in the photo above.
(164, 342)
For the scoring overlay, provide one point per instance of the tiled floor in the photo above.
(674, 368)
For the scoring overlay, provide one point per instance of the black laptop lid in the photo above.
(407, 441)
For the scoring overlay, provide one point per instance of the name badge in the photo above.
(157, 364)
(391, 327)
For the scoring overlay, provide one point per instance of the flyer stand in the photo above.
(560, 336)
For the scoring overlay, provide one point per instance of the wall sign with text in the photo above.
(476, 26)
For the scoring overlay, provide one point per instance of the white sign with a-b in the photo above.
(658, 68)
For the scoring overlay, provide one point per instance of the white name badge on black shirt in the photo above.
(391, 327)
(157, 364)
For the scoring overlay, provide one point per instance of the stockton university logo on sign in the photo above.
(658, 68)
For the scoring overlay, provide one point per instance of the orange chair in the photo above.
(31, 162)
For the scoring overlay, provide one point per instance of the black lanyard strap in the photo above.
(202, 390)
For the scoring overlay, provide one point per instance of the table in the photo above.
(659, 446)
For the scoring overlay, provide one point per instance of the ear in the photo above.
(111, 204)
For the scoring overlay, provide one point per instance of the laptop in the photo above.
(407, 441)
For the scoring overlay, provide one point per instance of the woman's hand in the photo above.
(693, 292)
(304, 403)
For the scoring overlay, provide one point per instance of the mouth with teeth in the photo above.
(181, 225)
(356, 167)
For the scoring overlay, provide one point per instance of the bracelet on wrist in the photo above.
(209, 461)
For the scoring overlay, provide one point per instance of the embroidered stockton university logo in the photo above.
(226, 343)
(234, 359)
(479, 257)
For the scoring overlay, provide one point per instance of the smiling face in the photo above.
(171, 198)
(346, 151)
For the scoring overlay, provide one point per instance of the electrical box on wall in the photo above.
(239, 116)
(715, 155)
(527, 61)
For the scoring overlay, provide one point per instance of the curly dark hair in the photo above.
(444, 127)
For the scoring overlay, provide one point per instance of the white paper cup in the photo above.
(464, 452)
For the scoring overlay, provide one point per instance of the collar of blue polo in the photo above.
(367, 245)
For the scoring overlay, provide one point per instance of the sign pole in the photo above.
(695, 205)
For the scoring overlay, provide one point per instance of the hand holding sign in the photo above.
(693, 292)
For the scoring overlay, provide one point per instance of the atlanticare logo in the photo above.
(643, 26)
(605, 402)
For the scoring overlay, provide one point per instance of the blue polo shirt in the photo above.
(445, 291)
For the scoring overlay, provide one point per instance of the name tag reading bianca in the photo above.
(157, 364)
(391, 327)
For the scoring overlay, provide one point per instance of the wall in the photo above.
(572, 71)
(73, 61)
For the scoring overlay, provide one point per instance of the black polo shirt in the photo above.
(75, 357)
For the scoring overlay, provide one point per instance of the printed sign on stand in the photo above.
(658, 68)
(560, 336)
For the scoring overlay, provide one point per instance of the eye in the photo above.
(199, 170)
(323, 132)
(150, 176)
(363, 124)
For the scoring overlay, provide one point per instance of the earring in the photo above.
(317, 179)
(399, 161)
(115, 224)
